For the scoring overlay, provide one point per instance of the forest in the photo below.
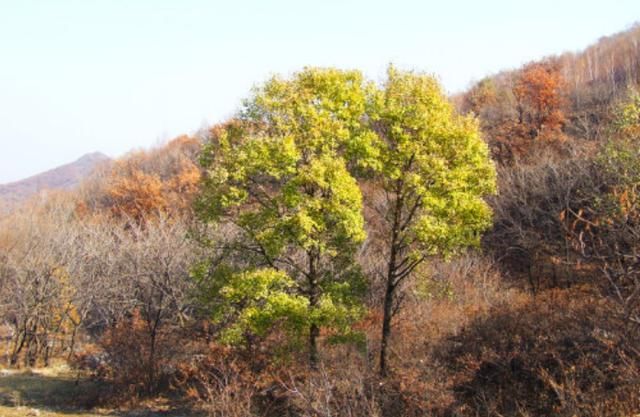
(346, 247)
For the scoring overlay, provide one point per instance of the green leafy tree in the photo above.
(278, 177)
(627, 116)
(434, 169)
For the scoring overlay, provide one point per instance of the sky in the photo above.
(116, 75)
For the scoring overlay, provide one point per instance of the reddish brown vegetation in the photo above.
(145, 184)
(538, 91)
(559, 354)
(570, 95)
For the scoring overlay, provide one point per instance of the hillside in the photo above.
(63, 177)
(568, 96)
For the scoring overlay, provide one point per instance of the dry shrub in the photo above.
(445, 297)
(237, 381)
(220, 382)
(139, 362)
(557, 354)
(345, 385)
(530, 237)
(229, 383)
(234, 382)
(90, 358)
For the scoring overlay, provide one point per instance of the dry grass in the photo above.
(58, 392)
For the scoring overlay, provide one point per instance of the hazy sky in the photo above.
(112, 75)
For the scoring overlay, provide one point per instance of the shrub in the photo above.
(139, 362)
(559, 354)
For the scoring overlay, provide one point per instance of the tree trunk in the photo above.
(152, 359)
(314, 330)
(152, 372)
(391, 285)
(72, 342)
(386, 328)
(17, 348)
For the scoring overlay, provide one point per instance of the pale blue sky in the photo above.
(112, 75)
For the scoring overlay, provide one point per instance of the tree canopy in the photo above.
(279, 175)
(435, 170)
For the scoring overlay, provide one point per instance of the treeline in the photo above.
(556, 100)
(341, 247)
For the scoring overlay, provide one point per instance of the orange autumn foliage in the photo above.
(137, 194)
(163, 180)
(539, 90)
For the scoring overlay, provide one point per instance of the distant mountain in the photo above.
(63, 177)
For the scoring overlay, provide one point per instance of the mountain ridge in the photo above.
(63, 177)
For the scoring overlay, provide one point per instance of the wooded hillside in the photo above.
(345, 247)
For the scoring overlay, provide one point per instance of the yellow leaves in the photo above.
(267, 301)
(300, 204)
(433, 160)
(627, 122)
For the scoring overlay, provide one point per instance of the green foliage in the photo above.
(265, 300)
(615, 189)
(255, 302)
(431, 288)
(435, 161)
(620, 159)
(279, 174)
(286, 161)
(627, 121)
(616, 199)
(282, 175)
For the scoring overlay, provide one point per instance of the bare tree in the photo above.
(36, 258)
(132, 269)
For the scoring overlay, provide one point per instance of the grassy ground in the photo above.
(58, 392)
